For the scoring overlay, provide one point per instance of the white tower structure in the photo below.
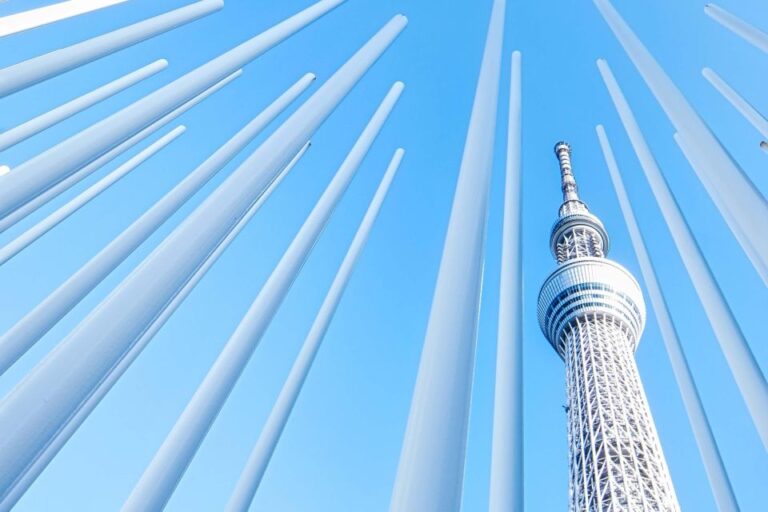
(592, 312)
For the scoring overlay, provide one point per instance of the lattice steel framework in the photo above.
(592, 311)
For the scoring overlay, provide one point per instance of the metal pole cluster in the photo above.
(741, 360)
(727, 184)
(710, 454)
(28, 330)
(171, 460)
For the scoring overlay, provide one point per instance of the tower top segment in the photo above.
(577, 233)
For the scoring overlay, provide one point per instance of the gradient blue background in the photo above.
(341, 447)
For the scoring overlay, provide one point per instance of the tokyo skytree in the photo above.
(591, 310)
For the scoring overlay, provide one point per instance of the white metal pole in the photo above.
(739, 103)
(46, 169)
(741, 28)
(22, 241)
(82, 173)
(705, 439)
(68, 375)
(744, 367)
(44, 121)
(430, 474)
(254, 469)
(37, 69)
(170, 462)
(27, 478)
(33, 18)
(730, 189)
(506, 494)
(27, 331)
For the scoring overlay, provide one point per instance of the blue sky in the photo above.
(341, 447)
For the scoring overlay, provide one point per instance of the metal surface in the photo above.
(592, 312)
(167, 467)
(741, 360)
(506, 490)
(705, 440)
(254, 469)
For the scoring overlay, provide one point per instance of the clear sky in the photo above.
(340, 449)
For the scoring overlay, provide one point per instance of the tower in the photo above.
(592, 312)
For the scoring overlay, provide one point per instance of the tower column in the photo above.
(592, 312)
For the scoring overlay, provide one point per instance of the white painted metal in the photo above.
(254, 469)
(506, 494)
(727, 184)
(44, 121)
(749, 112)
(744, 367)
(22, 241)
(741, 28)
(26, 20)
(166, 469)
(82, 173)
(48, 168)
(62, 436)
(27, 331)
(705, 439)
(37, 69)
(431, 470)
(68, 375)
(592, 312)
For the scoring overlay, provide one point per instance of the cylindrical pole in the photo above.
(739, 103)
(33, 18)
(702, 432)
(170, 462)
(430, 473)
(506, 494)
(730, 189)
(741, 28)
(45, 170)
(62, 436)
(254, 469)
(35, 70)
(95, 165)
(65, 378)
(22, 241)
(27, 331)
(69, 109)
(744, 367)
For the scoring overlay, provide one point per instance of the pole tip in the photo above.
(161, 63)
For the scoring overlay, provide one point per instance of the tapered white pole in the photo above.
(45, 170)
(741, 28)
(44, 121)
(702, 432)
(27, 331)
(68, 375)
(430, 473)
(33, 18)
(163, 474)
(22, 241)
(506, 494)
(29, 72)
(251, 476)
(82, 173)
(744, 367)
(739, 103)
(730, 189)
(62, 436)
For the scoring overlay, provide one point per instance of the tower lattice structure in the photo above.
(591, 310)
